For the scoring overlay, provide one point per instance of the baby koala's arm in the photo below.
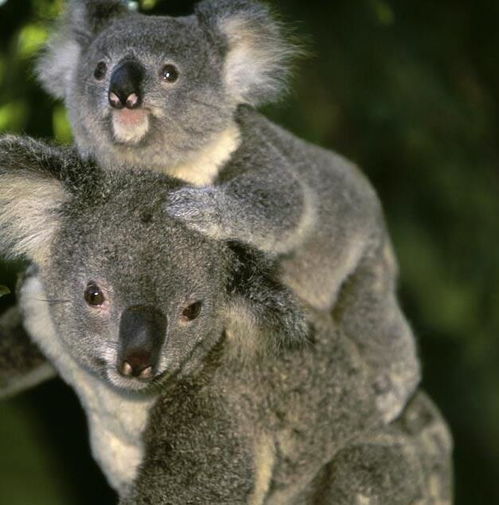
(22, 365)
(259, 201)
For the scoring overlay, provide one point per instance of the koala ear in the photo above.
(89, 17)
(31, 196)
(258, 53)
(83, 20)
(263, 314)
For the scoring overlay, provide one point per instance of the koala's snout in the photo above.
(142, 335)
(125, 87)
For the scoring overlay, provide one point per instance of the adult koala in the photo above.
(200, 375)
(177, 96)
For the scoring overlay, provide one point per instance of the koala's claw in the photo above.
(199, 209)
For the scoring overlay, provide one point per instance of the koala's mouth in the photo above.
(130, 126)
(130, 385)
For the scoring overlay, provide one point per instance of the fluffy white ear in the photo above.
(83, 20)
(56, 64)
(31, 196)
(258, 53)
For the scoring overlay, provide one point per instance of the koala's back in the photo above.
(342, 259)
(341, 214)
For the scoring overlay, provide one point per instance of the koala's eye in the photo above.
(94, 295)
(100, 71)
(169, 73)
(191, 312)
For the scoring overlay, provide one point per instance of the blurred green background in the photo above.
(410, 91)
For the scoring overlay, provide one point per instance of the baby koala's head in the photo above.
(155, 91)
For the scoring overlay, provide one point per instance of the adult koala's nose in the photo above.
(125, 87)
(142, 335)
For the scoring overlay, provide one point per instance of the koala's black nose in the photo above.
(125, 88)
(142, 334)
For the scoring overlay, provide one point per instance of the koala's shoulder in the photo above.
(262, 145)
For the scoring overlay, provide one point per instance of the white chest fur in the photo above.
(116, 422)
(204, 167)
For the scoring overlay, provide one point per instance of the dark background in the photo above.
(409, 90)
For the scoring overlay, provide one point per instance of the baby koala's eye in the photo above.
(100, 71)
(169, 73)
(94, 295)
(191, 312)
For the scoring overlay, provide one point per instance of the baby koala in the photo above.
(177, 95)
(142, 317)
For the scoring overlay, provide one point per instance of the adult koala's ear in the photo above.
(31, 196)
(82, 21)
(263, 315)
(258, 54)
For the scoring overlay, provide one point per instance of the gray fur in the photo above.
(260, 184)
(250, 404)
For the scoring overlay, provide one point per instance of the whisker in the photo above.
(52, 300)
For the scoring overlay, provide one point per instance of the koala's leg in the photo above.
(22, 365)
(407, 464)
(369, 313)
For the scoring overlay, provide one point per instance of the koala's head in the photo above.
(155, 90)
(136, 297)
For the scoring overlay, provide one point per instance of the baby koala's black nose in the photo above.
(142, 334)
(125, 87)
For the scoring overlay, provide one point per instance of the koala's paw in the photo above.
(199, 208)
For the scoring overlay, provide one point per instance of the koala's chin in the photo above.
(130, 126)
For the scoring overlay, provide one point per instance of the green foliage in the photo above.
(12, 116)
(28, 476)
(148, 4)
(62, 129)
(31, 39)
(409, 90)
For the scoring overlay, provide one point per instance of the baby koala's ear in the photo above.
(258, 53)
(263, 314)
(86, 18)
(32, 193)
(78, 26)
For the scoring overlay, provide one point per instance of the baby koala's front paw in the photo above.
(199, 208)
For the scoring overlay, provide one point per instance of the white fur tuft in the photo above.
(203, 168)
(28, 214)
(56, 65)
(257, 64)
(130, 134)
